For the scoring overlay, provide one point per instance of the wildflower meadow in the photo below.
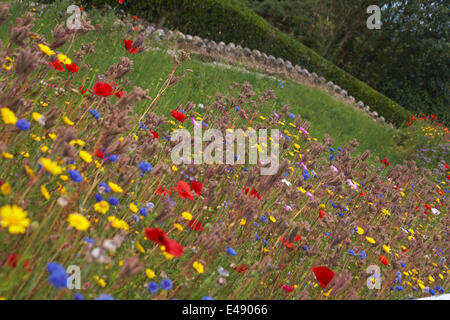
(93, 207)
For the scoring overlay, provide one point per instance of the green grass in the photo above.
(326, 114)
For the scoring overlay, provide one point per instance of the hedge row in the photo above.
(231, 21)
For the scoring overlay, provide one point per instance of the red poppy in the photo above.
(178, 115)
(253, 193)
(103, 89)
(99, 154)
(386, 163)
(57, 65)
(135, 17)
(241, 268)
(184, 190)
(287, 288)
(413, 118)
(321, 214)
(128, 46)
(195, 225)
(155, 134)
(427, 206)
(12, 260)
(197, 187)
(446, 166)
(163, 192)
(120, 1)
(119, 93)
(408, 124)
(72, 67)
(383, 259)
(362, 193)
(323, 275)
(159, 236)
(82, 90)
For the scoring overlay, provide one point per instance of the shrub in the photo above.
(231, 21)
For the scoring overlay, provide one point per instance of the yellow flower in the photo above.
(5, 188)
(64, 59)
(272, 218)
(359, 230)
(242, 222)
(187, 215)
(198, 266)
(133, 207)
(386, 212)
(67, 121)
(44, 192)
(14, 218)
(178, 226)
(101, 207)
(8, 116)
(118, 223)
(139, 247)
(370, 240)
(78, 221)
(7, 155)
(29, 172)
(45, 49)
(114, 187)
(386, 248)
(150, 273)
(50, 166)
(85, 156)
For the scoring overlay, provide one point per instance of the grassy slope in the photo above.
(326, 114)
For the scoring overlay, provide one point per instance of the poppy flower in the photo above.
(82, 90)
(72, 67)
(120, 1)
(253, 193)
(135, 17)
(241, 268)
(197, 187)
(386, 163)
(12, 260)
(413, 118)
(321, 214)
(163, 192)
(178, 115)
(103, 89)
(119, 93)
(383, 259)
(184, 190)
(408, 124)
(159, 236)
(323, 275)
(128, 46)
(155, 134)
(287, 288)
(195, 225)
(99, 154)
(57, 65)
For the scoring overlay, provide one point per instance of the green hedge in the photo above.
(231, 21)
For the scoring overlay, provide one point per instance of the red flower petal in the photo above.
(323, 275)
(197, 187)
(157, 235)
(184, 190)
(178, 115)
(72, 67)
(103, 89)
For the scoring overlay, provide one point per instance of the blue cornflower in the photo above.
(105, 296)
(98, 197)
(352, 252)
(332, 150)
(340, 214)
(363, 255)
(231, 251)
(339, 148)
(58, 276)
(143, 126)
(399, 288)
(153, 287)
(144, 166)
(23, 125)
(432, 292)
(402, 264)
(105, 187)
(207, 298)
(332, 157)
(264, 219)
(292, 115)
(89, 240)
(112, 200)
(75, 176)
(305, 248)
(113, 158)
(143, 211)
(78, 296)
(166, 284)
(255, 224)
(306, 175)
(95, 114)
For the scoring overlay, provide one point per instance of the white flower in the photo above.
(435, 211)
(286, 182)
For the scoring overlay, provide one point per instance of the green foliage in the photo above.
(231, 21)
(408, 59)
